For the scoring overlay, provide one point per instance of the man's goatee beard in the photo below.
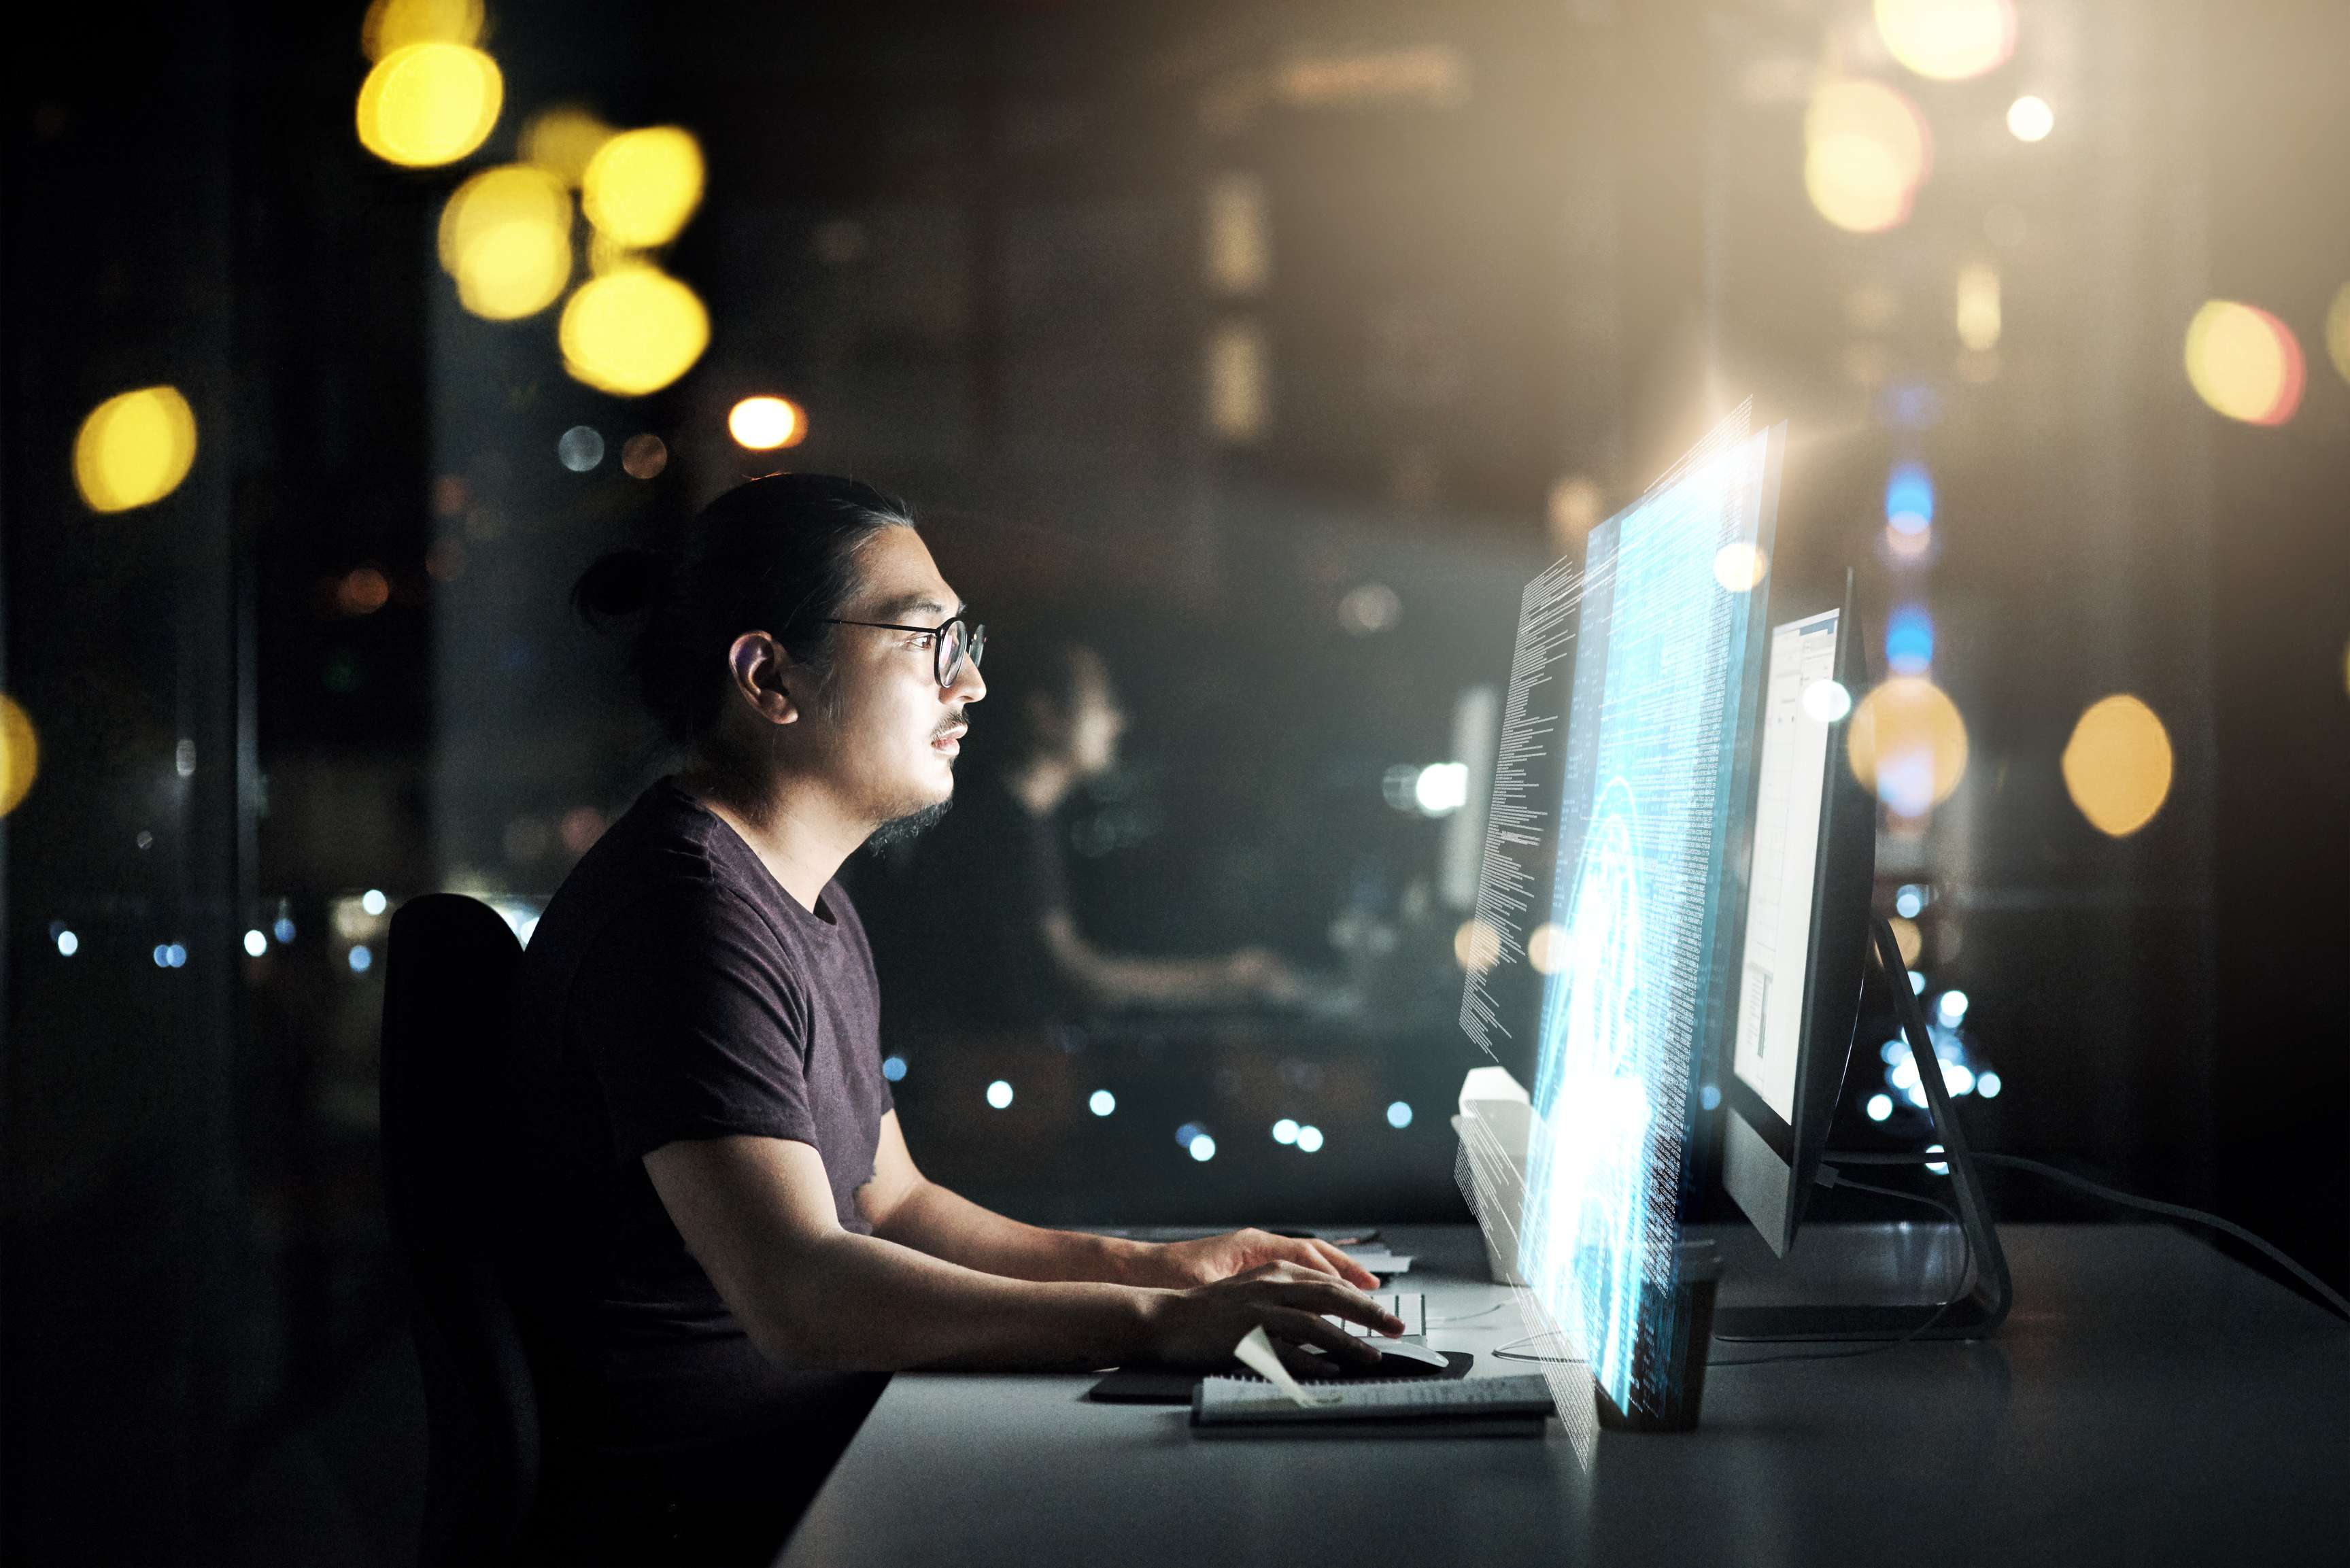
(898, 830)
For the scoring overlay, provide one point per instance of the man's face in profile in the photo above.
(888, 734)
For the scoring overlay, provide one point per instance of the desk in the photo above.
(2149, 1401)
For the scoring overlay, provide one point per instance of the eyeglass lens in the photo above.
(956, 643)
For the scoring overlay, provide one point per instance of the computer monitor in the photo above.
(1802, 939)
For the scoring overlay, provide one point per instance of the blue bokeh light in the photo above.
(1910, 499)
(893, 1068)
(1910, 641)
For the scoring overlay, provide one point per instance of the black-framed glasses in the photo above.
(950, 644)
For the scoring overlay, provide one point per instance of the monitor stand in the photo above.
(1984, 1295)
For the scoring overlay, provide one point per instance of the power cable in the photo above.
(2127, 1199)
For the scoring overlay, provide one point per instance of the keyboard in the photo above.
(1234, 1397)
(1409, 1305)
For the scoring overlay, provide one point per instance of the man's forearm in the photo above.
(868, 1302)
(946, 1224)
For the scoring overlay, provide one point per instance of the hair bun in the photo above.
(623, 582)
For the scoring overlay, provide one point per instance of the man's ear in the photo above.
(761, 673)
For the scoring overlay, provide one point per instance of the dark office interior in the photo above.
(1263, 351)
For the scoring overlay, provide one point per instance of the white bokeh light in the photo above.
(2029, 118)
(1827, 701)
(999, 1094)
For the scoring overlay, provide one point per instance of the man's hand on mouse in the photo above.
(1293, 1305)
(1178, 1264)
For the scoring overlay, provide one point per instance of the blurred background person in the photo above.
(986, 931)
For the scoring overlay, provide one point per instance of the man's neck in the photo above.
(794, 830)
(1040, 784)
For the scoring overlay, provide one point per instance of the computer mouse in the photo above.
(1397, 1358)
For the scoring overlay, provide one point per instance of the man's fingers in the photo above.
(1343, 1301)
(1309, 1328)
(1304, 1368)
(1345, 1267)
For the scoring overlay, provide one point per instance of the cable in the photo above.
(1511, 1352)
(1466, 1316)
(2333, 1297)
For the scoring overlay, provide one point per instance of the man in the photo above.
(726, 1233)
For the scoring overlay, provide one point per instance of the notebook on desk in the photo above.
(1419, 1407)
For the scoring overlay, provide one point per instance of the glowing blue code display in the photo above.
(1670, 590)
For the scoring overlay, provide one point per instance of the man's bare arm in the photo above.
(757, 1214)
(903, 1205)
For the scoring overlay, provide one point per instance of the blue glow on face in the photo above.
(1910, 499)
(1910, 641)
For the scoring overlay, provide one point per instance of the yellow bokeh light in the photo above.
(632, 332)
(134, 448)
(395, 23)
(1867, 150)
(1873, 112)
(20, 754)
(1740, 566)
(642, 185)
(762, 424)
(1476, 945)
(428, 104)
(1978, 310)
(564, 141)
(1948, 40)
(2117, 765)
(506, 237)
(2338, 331)
(1855, 185)
(1546, 948)
(2244, 362)
(1906, 744)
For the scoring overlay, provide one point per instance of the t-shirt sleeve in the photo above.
(691, 1026)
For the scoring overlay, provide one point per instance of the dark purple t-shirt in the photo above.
(673, 990)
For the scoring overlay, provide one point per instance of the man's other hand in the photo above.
(1180, 1265)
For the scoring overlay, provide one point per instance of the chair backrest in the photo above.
(448, 1122)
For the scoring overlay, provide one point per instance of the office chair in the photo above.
(447, 1115)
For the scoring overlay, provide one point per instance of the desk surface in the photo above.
(2149, 1401)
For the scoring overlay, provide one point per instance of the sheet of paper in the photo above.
(1257, 1353)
